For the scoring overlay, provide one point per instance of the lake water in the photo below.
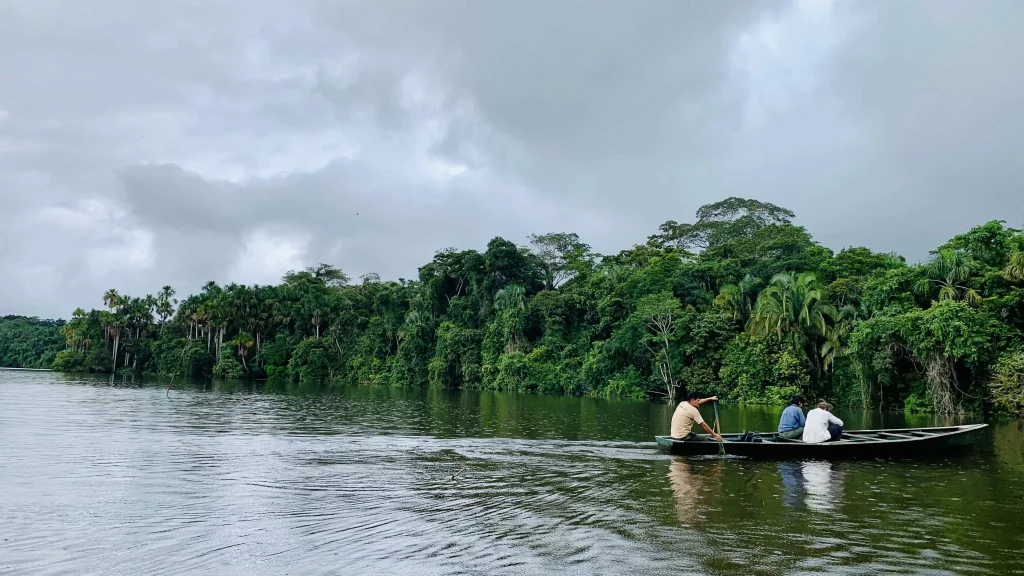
(111, 478)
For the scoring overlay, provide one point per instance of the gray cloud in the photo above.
(178, 142)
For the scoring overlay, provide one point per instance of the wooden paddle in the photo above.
(718, 430)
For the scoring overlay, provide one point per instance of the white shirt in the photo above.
(816, 428)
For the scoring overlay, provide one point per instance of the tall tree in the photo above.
(660, 313)
(165, 303)
(323, 274)
(562, 255)
(722, 222)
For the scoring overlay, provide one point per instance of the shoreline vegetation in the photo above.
(740, 303)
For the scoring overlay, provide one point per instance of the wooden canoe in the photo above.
(893, 442)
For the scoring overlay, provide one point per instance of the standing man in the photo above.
(822, 426)
(687, 414)
(791, 425)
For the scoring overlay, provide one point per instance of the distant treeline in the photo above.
(739, 303)
(29, 342)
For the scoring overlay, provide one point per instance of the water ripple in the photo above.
(118, 479)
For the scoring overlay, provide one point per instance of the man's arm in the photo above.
(834, 420)
(713, 398)
(708, 429)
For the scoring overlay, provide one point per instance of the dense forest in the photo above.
(739, 303)
(29, 342)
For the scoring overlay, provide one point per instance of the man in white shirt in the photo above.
(822, 426)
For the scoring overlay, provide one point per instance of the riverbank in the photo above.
(741, 304)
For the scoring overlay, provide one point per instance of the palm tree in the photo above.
(258, 319)
(793, 308)
(738, 299)
(115, 321)
(1014, 271)
(411, 324)
(835, 338)
(165, 303)
(243, 342)
(196, 317)
(73, 331)
(111, 299)
(790, 306)
(949, 271)
(316, 319)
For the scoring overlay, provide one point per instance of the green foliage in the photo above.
(951, 343)
(762, 371)
(311, 362)
(772, 249)
(513, 373)
(861, 262)
(917, 403)
(29, 342)
(228, 368)
(626, 384)
(740, 302)
(183, 357)
(456, 360)
(987, 245)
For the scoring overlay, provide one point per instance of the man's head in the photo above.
(692, 398)
(797, 400)
(823, 406)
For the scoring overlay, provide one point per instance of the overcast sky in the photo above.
(180, 141)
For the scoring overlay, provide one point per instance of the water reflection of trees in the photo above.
(816, 483)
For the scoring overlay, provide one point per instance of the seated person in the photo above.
(687, 414)
(791, 425)
(822, 426)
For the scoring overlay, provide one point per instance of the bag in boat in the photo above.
(752, 436)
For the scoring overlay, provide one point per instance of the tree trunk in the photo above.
(941, 376)
(116, 339)
(671, 379)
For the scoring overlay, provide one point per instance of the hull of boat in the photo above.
(890, 443)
